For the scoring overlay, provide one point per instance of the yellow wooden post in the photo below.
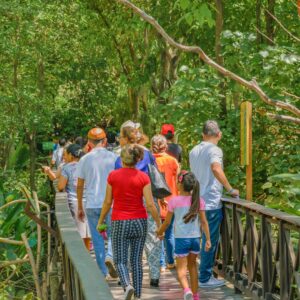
(246, 145)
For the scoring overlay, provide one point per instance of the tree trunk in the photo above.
(219, 57)
(134, 103)
(270, 24)
(259, 39)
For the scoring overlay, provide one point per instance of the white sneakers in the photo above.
(128, 292)
(188, 296)
(212, 283)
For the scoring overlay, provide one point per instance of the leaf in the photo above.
(184, 4)
(267, 185)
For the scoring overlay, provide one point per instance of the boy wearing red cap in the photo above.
(174, 150)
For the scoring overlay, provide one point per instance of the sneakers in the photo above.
(196, 296)
(188, 295)
(128, 292)
(171, 266)
(109, 278)
(154, 282)
(111, 268)
(212, 283)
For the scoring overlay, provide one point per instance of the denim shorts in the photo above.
(185, 246)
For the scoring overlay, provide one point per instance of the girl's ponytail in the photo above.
(195, 203)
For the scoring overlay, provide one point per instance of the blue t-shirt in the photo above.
(141, 165)
(69, 172)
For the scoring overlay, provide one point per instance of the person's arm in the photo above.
(150, 206)
(106, 204)
(165, 224)
(62, 182)
(79, 190)
(220, 175)
(51, 175)
(58, 172)
(205, 228)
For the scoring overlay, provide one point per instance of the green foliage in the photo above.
(67, 66)
(19, 157)
(284, 192)
(195, 14)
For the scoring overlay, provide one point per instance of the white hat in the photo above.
(129, 123)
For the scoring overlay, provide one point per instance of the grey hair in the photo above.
(211, 128)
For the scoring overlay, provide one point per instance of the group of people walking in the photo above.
(111, 189)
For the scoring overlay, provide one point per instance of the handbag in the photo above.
(159, 186)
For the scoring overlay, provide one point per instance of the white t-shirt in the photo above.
(94, 168)
(202, 157)
(57, 156)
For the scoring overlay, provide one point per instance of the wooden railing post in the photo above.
(261, 250)
(284, 262)
(252, 239)
(266, 252)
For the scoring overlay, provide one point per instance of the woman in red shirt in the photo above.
(126, 188)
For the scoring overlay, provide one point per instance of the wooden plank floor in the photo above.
(169, 289)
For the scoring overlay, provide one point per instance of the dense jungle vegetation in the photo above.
(66, 66)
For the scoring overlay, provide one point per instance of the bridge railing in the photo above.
(260, 250)
(82, 277)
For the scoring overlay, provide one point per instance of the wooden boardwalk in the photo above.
(169, 289)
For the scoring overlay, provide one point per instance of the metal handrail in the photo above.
(82, 277)
(260, 250)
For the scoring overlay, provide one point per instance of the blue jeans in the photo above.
(168, 243)
(214, 219)
(93, 215)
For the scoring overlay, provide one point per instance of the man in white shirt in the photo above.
(92, 171)
(206, 162)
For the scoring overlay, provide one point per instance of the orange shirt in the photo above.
(169, 166)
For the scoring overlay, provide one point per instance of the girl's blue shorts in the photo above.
(185, 246)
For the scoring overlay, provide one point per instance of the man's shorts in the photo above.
(185, 246)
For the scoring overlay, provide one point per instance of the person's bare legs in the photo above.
(181, 267)
(192, 267)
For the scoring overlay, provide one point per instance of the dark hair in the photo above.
(62, 142)
(169, 135)
(75, 150)
(191, 184)
(81, 141)
(131, 154)
(111, 137)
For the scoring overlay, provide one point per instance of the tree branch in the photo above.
(279, 117)
(117, 46)
(11, 242)
(264, 35)
(252, 85)
(282, 26)
(13, 262)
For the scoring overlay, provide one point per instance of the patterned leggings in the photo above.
(125, 234)
(153, 247)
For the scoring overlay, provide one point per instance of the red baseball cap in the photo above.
(96, 134)
(166, 128)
